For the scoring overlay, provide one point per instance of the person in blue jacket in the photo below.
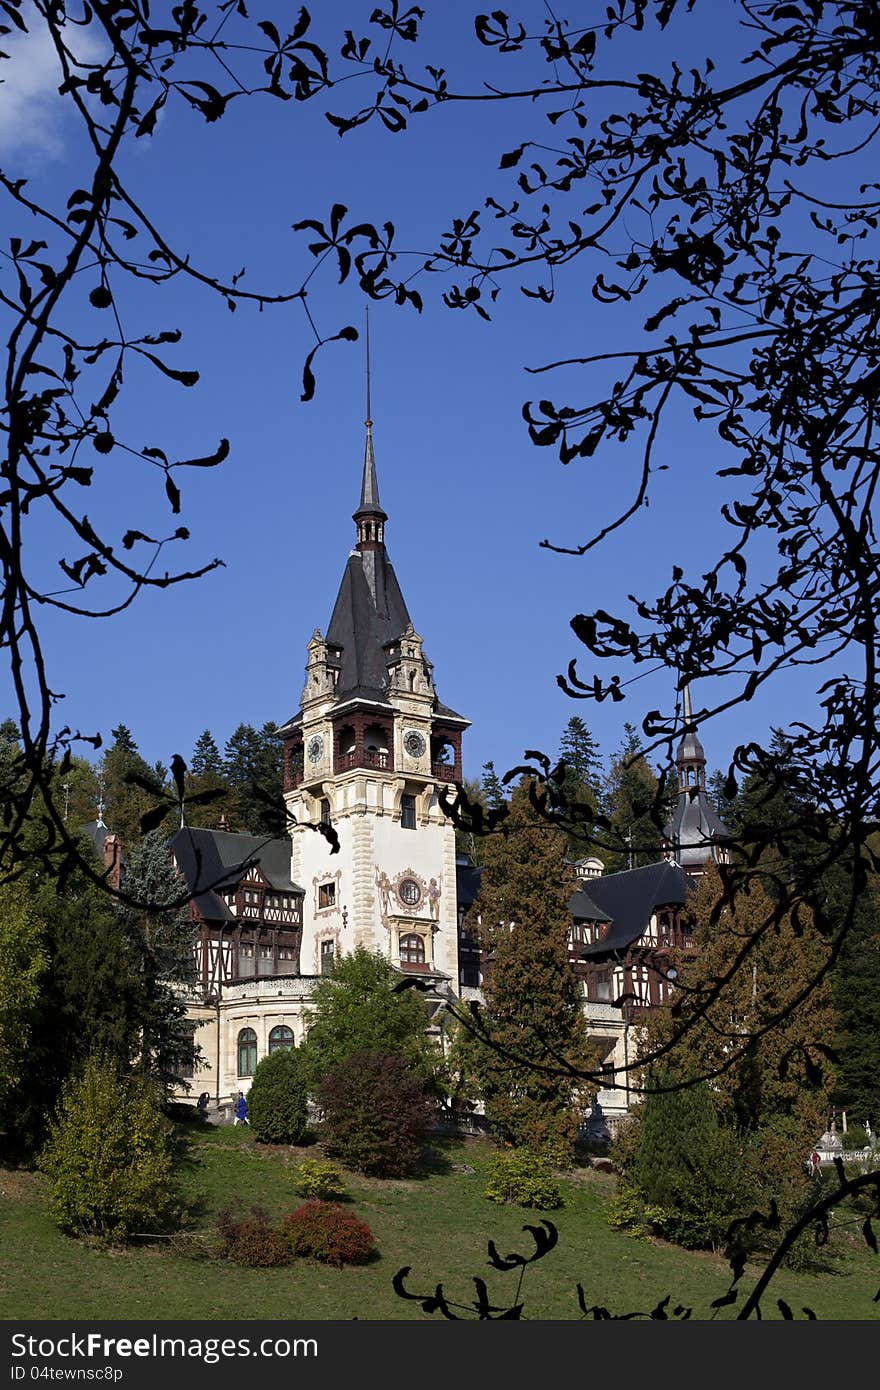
(240, 1110)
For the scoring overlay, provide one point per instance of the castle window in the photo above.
(327, 957)
(412, 950)
(409, 892)
(247, 1052)
(326, 895)
(280, 1038)
(407, 812)
(325, 811)
(603, 984)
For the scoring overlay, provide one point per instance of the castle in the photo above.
(371, 859)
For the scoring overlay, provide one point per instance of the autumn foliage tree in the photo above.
(737, 1016)
(532, 1030)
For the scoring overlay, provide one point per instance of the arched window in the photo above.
(412, 950)
(280, 1038)
(247, 1052)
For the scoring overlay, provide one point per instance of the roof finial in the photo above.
(369, 419)
(369, 505)
(687, 713)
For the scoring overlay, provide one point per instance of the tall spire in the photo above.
(690, 758)
(369, 517)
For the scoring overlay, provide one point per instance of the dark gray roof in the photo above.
(369, 504)
(215, 860)
(627, 901)
(369, 611)
(694, 828)
(97, 832)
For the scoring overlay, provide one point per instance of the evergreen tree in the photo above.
(358, 1009)
(467, 841)
(494, 794)
(109, 1157)
(163, 940)
(88, 998)
(205, 774)
(580, 787)
(856, 997)
(776, 1077)
(533, 1004)
(682, 1174)
(125, 800)
(637, 812)
(253, 768)
(23, 961)
(206, 759)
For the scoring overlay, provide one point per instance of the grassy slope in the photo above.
(438, 1224)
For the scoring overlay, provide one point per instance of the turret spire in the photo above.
(369, 517)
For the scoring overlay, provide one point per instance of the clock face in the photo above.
(315, 748)
(414, 743)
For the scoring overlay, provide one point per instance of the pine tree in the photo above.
(89, 998)
(163, 939)
(205, 774)
(533, 1004)
(636, 812)
(125, 800)
(494, 794)
(780, 1076)
(580, 787)
(23, 961)
(206, 758)
(856, 997)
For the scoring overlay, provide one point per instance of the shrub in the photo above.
(523, 1178)
(320, 1181)
(376, 1114)
(329, 1233)
(108, 1157)
(277, 1098)
(856, 1137)
(249, 1239)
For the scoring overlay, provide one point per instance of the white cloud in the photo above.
(32, 114)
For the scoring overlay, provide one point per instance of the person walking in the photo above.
(240, 1110)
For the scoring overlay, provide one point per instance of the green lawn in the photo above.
(438, 1224)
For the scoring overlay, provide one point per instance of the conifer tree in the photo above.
(125, 800)
(581, 786)
(635, 811)
(761, 1075)
(253, 768)
(494, 794)
(163, 940)
(205, 774)
(23, 961)
(533, 1005)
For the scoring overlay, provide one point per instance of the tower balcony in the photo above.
(363, 757)
(443, 772)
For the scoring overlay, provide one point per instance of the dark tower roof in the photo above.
(695, 829)
(370, 615)
(369, 611)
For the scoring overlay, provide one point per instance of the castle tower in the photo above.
(695, 833)
(363, 761)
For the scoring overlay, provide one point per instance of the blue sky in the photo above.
(468, 497)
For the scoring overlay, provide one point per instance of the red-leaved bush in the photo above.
(251, 1240)
(376, 1114)
(328, 1233)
